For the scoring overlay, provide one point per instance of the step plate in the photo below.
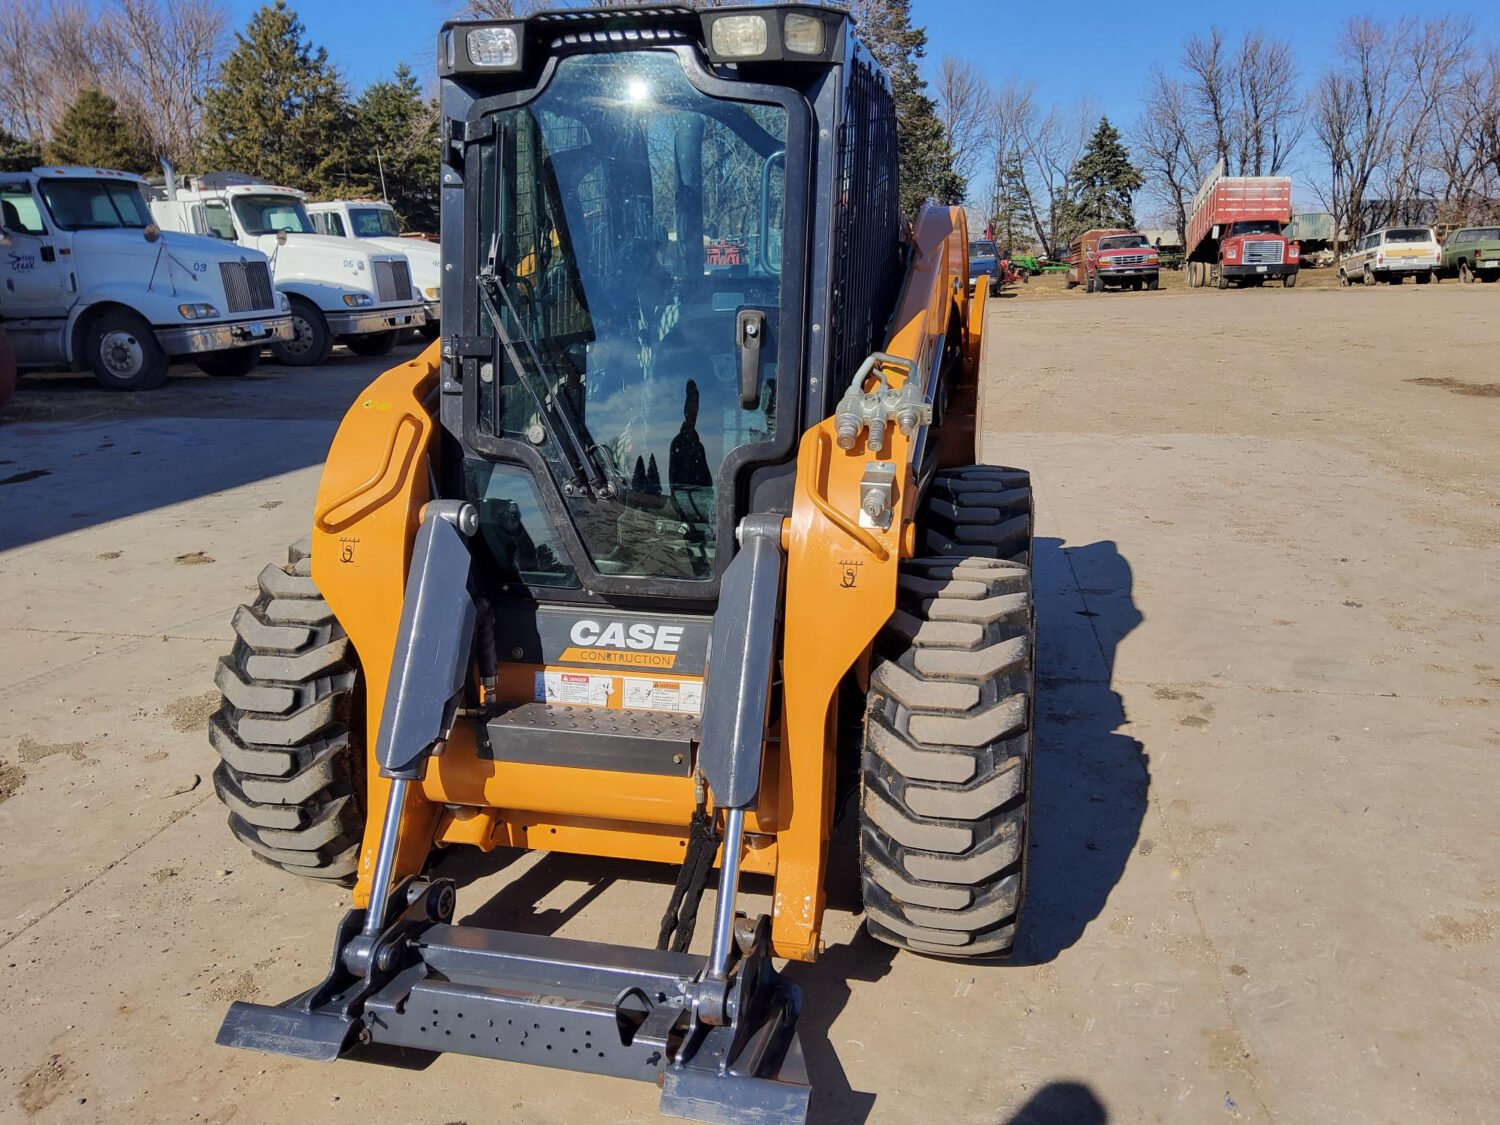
(599, 738)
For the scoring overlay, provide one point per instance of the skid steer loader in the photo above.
(671, 542)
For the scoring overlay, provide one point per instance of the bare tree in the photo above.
(1210, 82)
(1433, 58)
(1268, 108)
(1171, 159)
(1466, 143)
(964, 105)
(1357, 107)
(167, 52)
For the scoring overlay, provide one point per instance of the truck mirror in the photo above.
(151, 232)
(281, 238)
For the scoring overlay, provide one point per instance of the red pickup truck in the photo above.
(1125, 259)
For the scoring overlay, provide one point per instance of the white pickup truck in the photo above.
(87, 279)
(341, 290)
(375, 222)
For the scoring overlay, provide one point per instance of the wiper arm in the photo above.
(580, 453)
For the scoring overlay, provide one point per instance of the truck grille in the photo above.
(247, 286)
(393, 281)
(1263, 253)
(1127, 260)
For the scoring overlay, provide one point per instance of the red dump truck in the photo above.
(1234, 232)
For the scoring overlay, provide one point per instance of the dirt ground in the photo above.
(1263, 869)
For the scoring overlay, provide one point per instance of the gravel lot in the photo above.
(1264, 882)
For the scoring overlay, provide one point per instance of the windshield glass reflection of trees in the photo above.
(636, 217)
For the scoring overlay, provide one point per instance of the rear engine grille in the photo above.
(393, 281)
(247, 286)
(1263, 253)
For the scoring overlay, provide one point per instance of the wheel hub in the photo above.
(122, 354)
(302, 336)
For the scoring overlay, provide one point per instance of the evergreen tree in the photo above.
(1102, 184)
(927, 171)
(397, 148)
(278, 109)
(17, 155)
(93, 132)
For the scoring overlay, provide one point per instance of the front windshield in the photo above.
(374, 222)
(1123, 242)
(638, 218)
(268, 214)
(1409, 234)
(95, 204)
(1256, 226)
(981, 249)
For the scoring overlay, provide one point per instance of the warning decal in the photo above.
(574, 688)
(662, 695)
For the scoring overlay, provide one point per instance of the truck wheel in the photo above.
(430, 331)
(946, 778)
(374, 344)
(1465, 274)
(1289, 281)
(1369, 276)
(311, 341)
(288, 729)
(1424, 278)
(1153, 284)
(123, 354)
(231, 364)
(1223, 279)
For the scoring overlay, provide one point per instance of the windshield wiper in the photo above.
(577, 449)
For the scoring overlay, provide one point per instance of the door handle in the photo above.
(749, 335)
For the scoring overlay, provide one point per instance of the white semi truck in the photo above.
(88, 280)
(341, 290)
(375, 222)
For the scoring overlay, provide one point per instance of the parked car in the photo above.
(1124, 259)
(375, 222)
(984, 262)
(1472, 252)
(1391, 255)
(90, 281)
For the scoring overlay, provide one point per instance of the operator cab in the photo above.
(628, 255)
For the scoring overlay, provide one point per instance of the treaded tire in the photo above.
(946, 773)
(286, 731)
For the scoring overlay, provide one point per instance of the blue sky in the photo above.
(1022, 40)
(1026, 40)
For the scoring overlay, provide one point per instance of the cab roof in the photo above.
(80, 172)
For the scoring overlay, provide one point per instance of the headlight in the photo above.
(358, 300)
(432, 293)
(1231, 252)
(803, 34)
(197, 312)
(737, 37)
(494, 46)
(283, 302)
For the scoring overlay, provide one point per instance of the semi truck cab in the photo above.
(340, 289)
(375, 222)
(88, 280)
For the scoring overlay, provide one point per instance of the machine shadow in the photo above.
(73, 456)
(1089, 780)
(1061, 1103)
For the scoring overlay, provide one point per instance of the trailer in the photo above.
(1235, 232)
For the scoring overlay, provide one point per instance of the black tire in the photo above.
(1153, 284)
(946, 777)
(1369, 276)
(1465, 273)
(288, 730)
(1424, 278)
(373, 344)
(121, 350)
(311, 343)
(1289, 281)
(1223, 280)
(231, 364)
(430, 331)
